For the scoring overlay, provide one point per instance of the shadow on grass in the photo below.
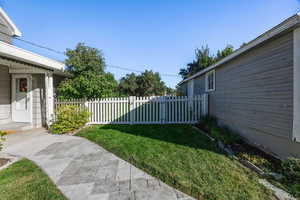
(177, 134)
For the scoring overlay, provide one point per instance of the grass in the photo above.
(183, 153)
(25, 181)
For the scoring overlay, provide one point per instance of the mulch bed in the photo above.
(3, 161)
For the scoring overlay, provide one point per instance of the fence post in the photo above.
(205, 104)
(162, 109)
(131, 100)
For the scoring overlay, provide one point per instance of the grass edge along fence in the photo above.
(143, 110)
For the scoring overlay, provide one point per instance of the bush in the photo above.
(69, 118)
(291, 173)
(291, 169)
(2, 138)
(256, 160)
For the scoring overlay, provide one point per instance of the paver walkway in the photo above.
(84, 170)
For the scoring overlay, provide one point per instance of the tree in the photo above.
(148, 83)
(128, 85)
(89, 80)
(204, 59)
(171, 91)
(83, 59)
(223, 53)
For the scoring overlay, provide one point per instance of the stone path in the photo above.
(84, 170)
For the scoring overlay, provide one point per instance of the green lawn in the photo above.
(182, 152)
(25, 181)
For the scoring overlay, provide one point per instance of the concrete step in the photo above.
(15, 127)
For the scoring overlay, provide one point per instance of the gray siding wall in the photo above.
(38, 100)
(199, 85)
(254, 96)
(183, 89)
(5, 32)
(5, 95)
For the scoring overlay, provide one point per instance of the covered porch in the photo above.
(27, 89)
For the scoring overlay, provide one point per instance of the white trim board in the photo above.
(13, 27)
(16, 53)
(214, 81)
(296, 115)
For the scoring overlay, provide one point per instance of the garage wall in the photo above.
(254, 95)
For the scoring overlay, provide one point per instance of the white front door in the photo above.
(21, 98)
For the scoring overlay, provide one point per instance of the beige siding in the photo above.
(5, 32)
(5, 95)
(254, 95)
(38, 100)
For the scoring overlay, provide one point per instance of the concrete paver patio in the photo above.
(84, 170)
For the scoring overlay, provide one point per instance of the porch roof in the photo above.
(19, 54)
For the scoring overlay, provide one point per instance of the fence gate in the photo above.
(143, 110)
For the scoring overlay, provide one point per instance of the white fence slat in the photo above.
(142, 110)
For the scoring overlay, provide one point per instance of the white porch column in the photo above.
(49, 98)
(296, 78)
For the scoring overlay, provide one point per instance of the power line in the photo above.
(108, 65)
(138, 71)
(40, 46)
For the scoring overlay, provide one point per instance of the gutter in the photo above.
(16, 53)
(283, 26)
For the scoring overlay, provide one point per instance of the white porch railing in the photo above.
(143, 110)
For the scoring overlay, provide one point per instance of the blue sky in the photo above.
(159, 34)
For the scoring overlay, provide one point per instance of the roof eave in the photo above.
(285, 25)
(16, 53)
(16, 31)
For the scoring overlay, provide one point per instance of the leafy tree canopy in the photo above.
(89, 78)
(148, 83)
(204, 59)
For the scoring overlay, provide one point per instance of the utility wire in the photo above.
(108, 65)
(40, 46)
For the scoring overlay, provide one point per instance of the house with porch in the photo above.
(27, 82)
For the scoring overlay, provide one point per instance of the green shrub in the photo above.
(291, 169)
(69, 118)
(2, 139)
(256, 160)
(291, 173)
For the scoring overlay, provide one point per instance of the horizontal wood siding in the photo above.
(254, 95)
(199, 85)
(183, 89)
(38, 100)
(255, 91)
(5, 95)
(5, 32)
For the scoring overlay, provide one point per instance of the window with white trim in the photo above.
(210, 81)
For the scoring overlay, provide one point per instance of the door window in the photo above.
(22, 85)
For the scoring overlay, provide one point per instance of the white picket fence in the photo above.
(143, 110)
